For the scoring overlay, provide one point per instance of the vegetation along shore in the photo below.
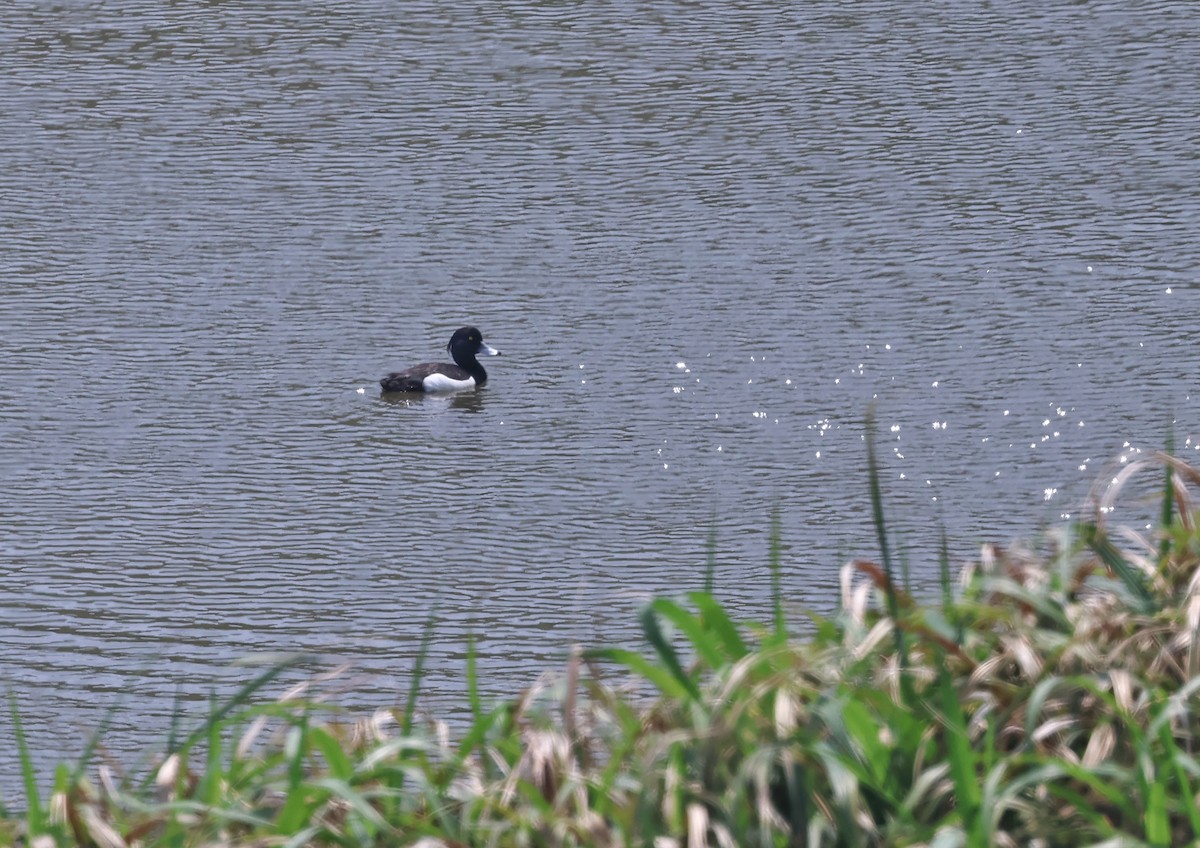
(1047, 697)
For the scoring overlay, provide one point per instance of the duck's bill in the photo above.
(487, 350)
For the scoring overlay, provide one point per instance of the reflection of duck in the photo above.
(463, 401)
(465, 345)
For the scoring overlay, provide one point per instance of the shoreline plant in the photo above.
(1047, 699)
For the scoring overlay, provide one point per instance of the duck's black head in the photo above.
(466, 344)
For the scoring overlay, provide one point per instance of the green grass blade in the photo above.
(963, 766)
(1132, 579)
(175, 727)
(774, 560)
(473, 699)
(303, 838)
(946, 583)
(799, 790)
(877, 501)
(710, 557)
(35, 819)
(239, 699)
(669, 683)
(1183, 787)
(1048, 778)
(1042, 692)
(1168, 500)
(893, 601)
(414, 686)
(302, 800)
(718, 623)
(210, 785)
(339, 764)
(702, 640)
(665, 650)
(1157, 820)
(867, 740)
(365, 811)
(85, 758)
(1107, 782)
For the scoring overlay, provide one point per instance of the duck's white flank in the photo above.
(442, 383)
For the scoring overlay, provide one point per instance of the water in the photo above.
(706, 237)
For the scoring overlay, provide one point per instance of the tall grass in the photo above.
(1048, 698)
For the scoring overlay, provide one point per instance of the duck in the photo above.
(465, 346)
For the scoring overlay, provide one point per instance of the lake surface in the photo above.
(707, 238)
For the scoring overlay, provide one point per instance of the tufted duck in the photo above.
(464, 346)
